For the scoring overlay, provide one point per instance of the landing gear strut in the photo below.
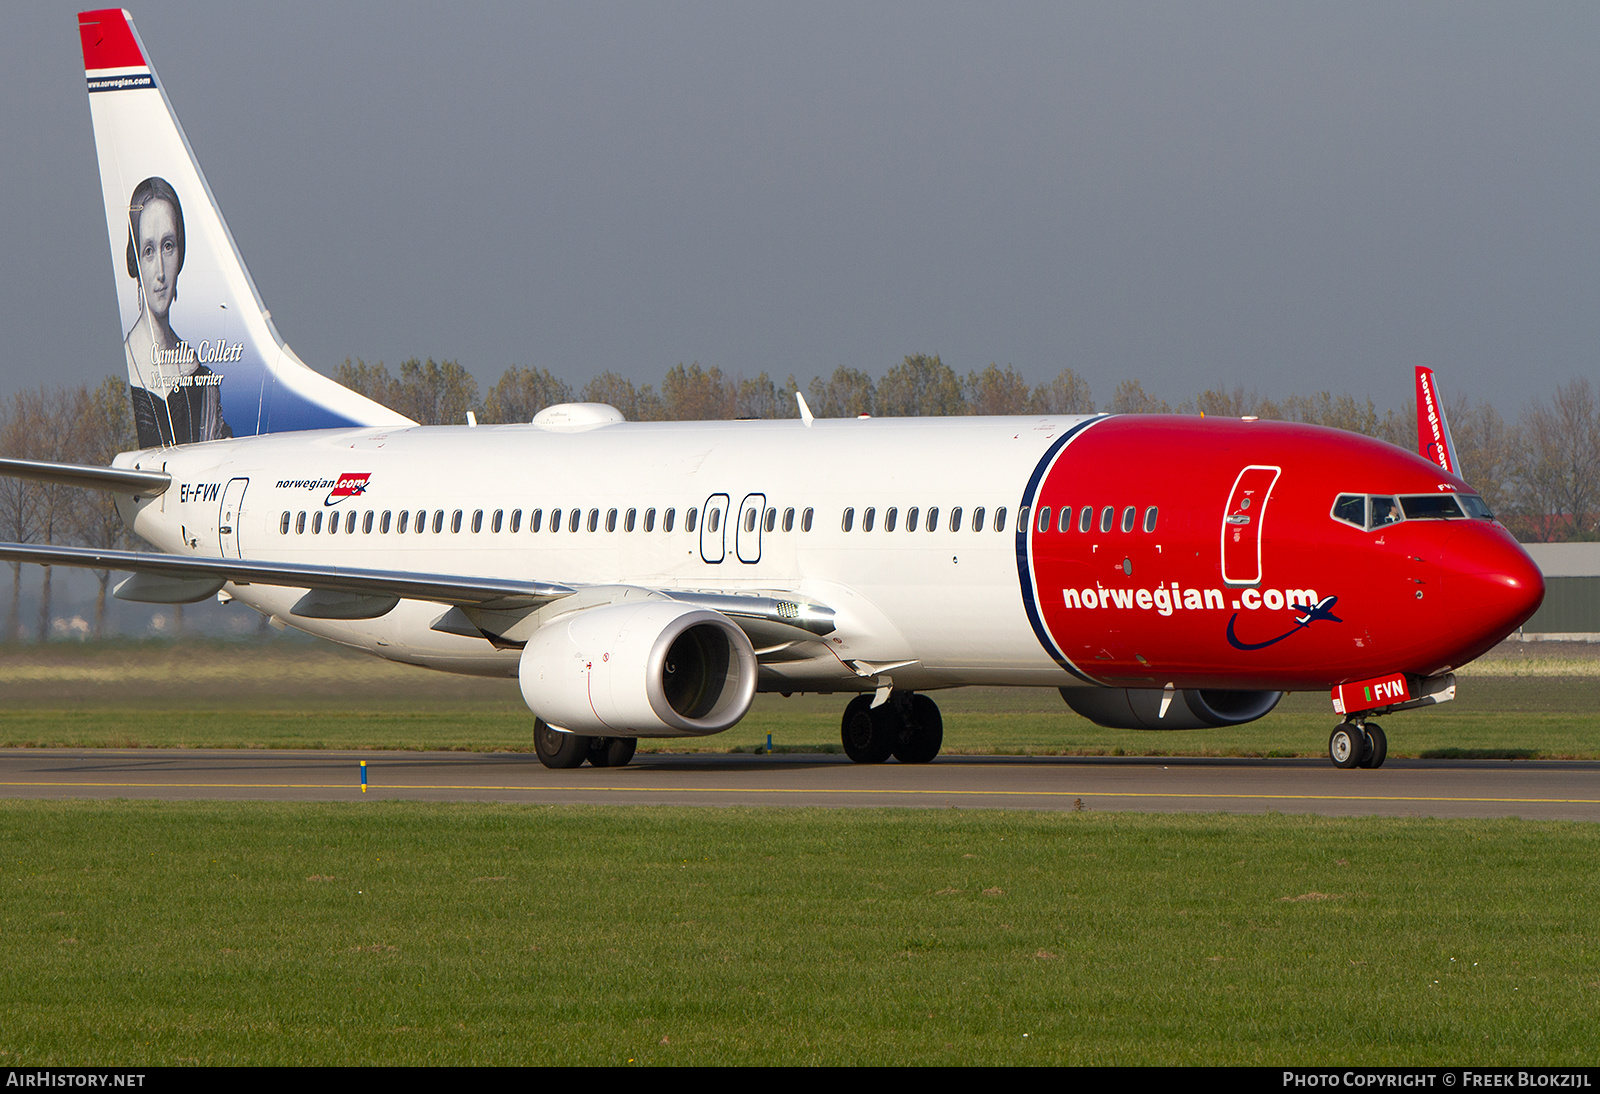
(559, 750)
(907, 727)
(1358, 744)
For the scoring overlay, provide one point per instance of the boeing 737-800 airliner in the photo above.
(645, 579)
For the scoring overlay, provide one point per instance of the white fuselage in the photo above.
(929, 608)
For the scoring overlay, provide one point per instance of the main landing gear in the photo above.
(1358, 744)
(907, 727)
(560, 750)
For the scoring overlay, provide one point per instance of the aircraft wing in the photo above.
(182, 579)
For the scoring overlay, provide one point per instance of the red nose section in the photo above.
(1490, 587)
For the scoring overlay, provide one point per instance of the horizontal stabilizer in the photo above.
(118, 480)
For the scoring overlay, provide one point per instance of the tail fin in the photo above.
(213, 365)
(1433, 431)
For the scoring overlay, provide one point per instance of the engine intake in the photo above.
(1191, 708)
(652, 669)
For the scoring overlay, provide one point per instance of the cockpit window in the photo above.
(1431, 507)
(1372, 511)
(1383, 511)
(1352, 509)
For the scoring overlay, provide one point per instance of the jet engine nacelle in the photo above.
(651, 669)
(1191, 708)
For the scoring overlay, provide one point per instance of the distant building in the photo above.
(1571, 608)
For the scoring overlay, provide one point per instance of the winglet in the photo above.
(805, 409)
(1433, 431)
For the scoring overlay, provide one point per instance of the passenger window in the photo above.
(594, 520)
(316, 523)
(911, 519)
(555, 520)
(649, 520)
(535, 519)
(788, 520)
(772, 520)
(300, 524)
(1086, 519)
(1000, 519)
(977, 519)
(455, 523)
(497, 520)
(516, 521)
(383, 525)
(714, 521)
(629, 519)
(849, 519)
(867, 517)
(477, 521)
(1107, 516)
(932, 524)
(283, 524)
(405, 520)
(890, 515)
(750, 519)
(1044, 518)
(1022, 518)
(574, 518)
(955, 519)
(805, 520)
(689, 520)
(666, 523)
(1128, 516)
(349, 522)
(1065, 523)
(366, 524)
(611, 520)
(1150, 519)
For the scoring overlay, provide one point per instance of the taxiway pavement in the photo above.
(1543, 789)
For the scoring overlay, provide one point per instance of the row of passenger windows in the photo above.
(1108, 518)
(1085, 520)
(318, 523)
(916, 519)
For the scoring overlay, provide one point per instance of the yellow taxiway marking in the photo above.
(860, 791)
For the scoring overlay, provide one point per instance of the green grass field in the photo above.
(282, 694)
(389, 933)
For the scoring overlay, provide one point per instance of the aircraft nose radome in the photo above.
(1489, 583)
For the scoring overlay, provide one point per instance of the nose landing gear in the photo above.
(1358, 744)
(907, 727)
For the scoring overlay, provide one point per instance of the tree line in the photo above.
(1540, 474)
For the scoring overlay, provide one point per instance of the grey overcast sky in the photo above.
(1289, 197)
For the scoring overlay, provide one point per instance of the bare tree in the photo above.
(1131, 398)
(18, 504)
(920, 386)
(523, 392)
(762, 398)
(636, 404)
(848, 393)
(1560, 463)
(993, 391)
(1068, 393)
(104, 429)
(695, 394)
